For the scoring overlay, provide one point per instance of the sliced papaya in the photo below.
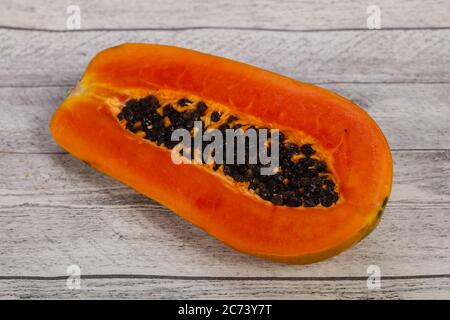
(334, 170)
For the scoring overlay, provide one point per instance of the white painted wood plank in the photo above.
(56, 211)
(291, 14)
(55, 58)
(438, 288)
(412, 116)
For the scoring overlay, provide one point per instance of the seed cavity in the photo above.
(302, 178)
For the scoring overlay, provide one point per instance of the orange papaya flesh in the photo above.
(344, 148)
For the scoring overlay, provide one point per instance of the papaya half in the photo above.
(334, 168)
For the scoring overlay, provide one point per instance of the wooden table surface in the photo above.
(55, 211)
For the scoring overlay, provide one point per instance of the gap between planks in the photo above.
(215, 278)
(4, 27)
(71, 85)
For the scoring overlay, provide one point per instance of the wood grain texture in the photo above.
(273, 14)
(54, 58)
(56, 211)
(232, 289)
(412, 116)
